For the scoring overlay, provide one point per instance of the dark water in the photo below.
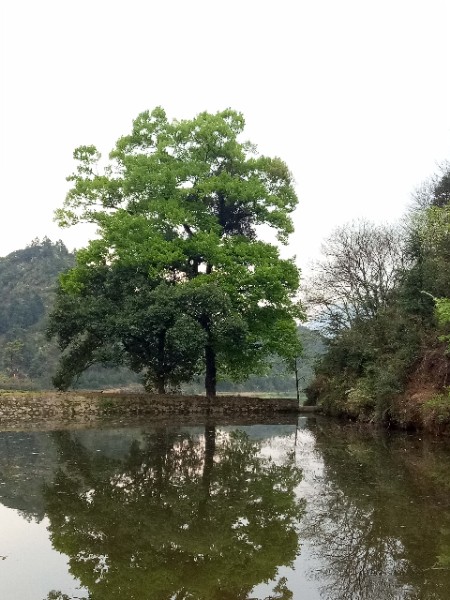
(204, 512)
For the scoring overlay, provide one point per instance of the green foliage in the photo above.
(443, 317)
(360, 400)
(179, 204)
(372, 357)
(436, 412)
(443, 310)
(27, 358)
(33, 358)
(27, 281)
(121, 316)
(277, 375)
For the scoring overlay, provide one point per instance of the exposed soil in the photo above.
(430, 378)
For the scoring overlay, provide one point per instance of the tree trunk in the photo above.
(210, 449)
(210, 354)
(210, 369)
(160, 376)
(161, 385)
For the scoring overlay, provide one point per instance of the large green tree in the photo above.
(181, 202)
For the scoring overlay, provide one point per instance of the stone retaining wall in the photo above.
(22, 407)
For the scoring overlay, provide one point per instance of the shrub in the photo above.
(436, 412)
(360, 400)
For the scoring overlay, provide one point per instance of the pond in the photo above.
(312, 509)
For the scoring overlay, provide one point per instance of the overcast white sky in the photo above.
(353, 94)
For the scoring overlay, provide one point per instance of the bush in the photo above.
(360, 401)
(436, 412)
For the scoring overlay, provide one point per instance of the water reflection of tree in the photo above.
(374, 525)
(358, 561)
(178, 517)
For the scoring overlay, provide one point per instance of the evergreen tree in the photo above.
(180, 203)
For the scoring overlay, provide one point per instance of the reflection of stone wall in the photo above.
(20, 407)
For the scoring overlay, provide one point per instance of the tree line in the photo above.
(179, 283)
(29, 276)
(381, 294)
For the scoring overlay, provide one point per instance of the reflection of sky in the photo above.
(29, 567)
(278, 448)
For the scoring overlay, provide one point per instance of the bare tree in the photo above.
(434, 191)
(361, 265)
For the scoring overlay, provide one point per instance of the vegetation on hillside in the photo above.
(382, 295)
(27, 289)
(28, 281)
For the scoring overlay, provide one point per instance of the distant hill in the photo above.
(28, 279)
(27, 283)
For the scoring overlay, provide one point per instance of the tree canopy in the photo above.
(178, 275)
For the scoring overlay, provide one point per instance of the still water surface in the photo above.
(316, 511)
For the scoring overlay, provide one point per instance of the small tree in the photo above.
(181, 202)
(13, 356)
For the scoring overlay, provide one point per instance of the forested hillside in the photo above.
(28, 360)
(27, 282)
(27, 290)
(382, 295)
